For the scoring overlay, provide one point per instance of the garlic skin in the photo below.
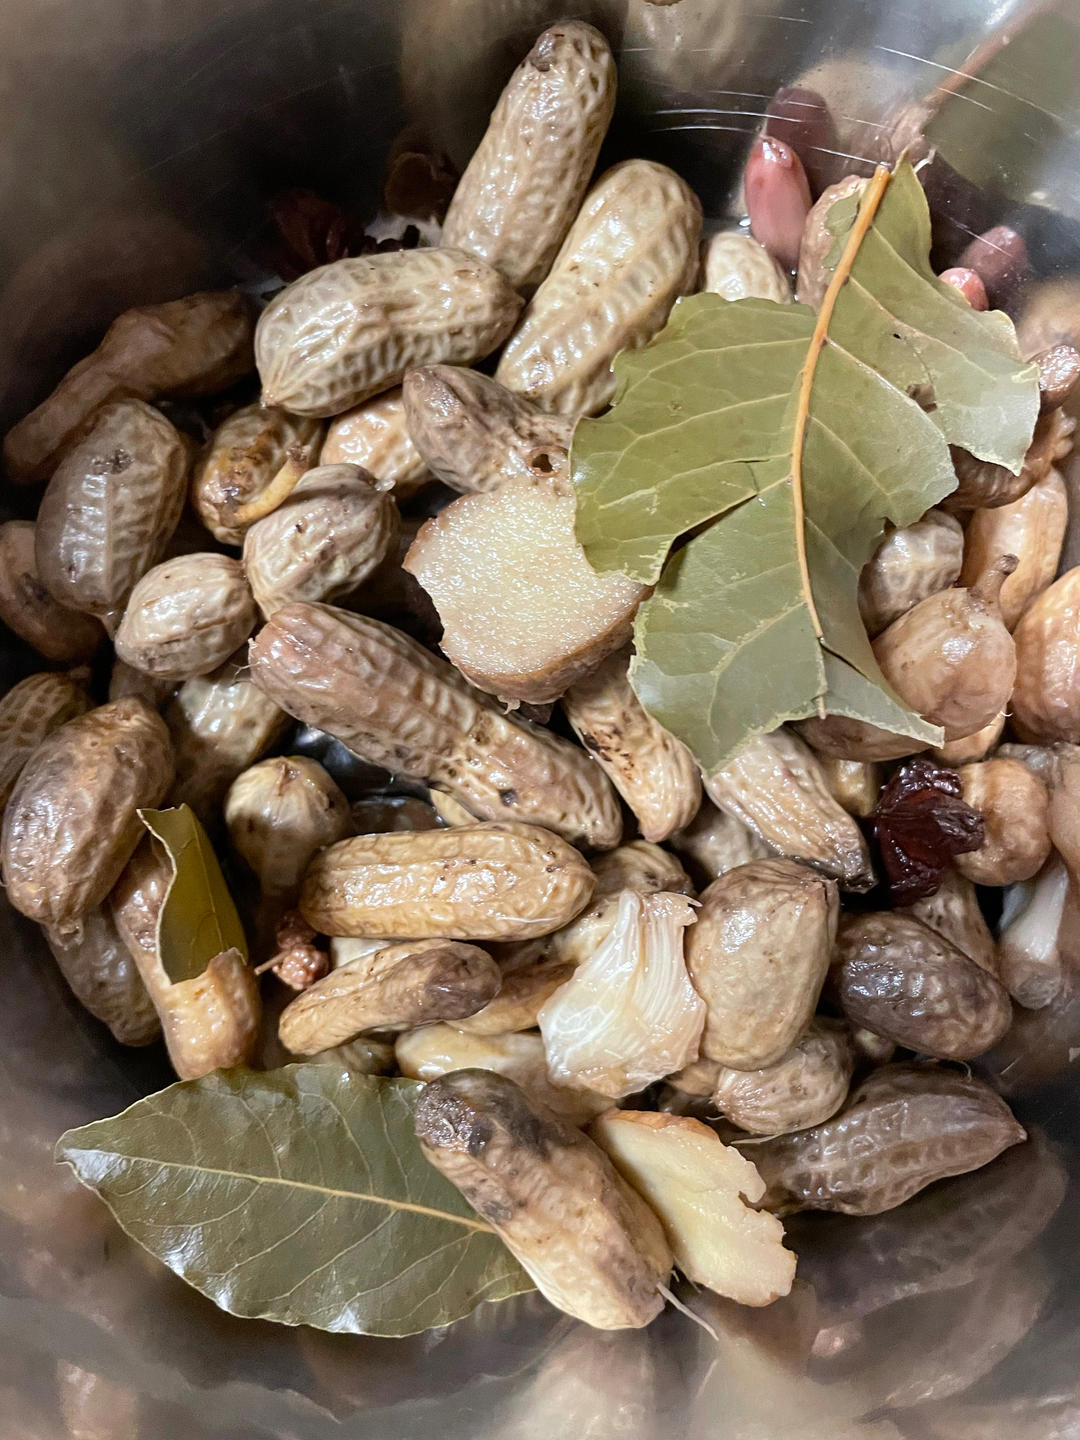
(1030, 962)
(629, 1015)
(951, 658)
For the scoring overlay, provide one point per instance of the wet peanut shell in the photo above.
(905, 1127)
(803, 1088)
(526, 1171)
(185, 617)
(899, 978)
(396, 705)
(242, 456)
(29, 713)
(27, 608)
(104, 978)
(71, 823)
(473, 882)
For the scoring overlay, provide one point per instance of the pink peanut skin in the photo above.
(777, 198)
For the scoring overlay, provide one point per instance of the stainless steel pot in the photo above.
(141, 138)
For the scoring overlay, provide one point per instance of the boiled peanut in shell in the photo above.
(71, 823)
(475, 882)
(27, 607)
(29, 712)
(241, 458)
(279, 813)
(104, 978)
(803, 1088)
(1046, 698)
(185, 617)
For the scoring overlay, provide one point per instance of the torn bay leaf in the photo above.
(795, 434)
(298, 1195)
(198, 919)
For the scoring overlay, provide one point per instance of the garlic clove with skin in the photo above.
(1030, 961)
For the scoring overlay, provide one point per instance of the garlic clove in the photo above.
(1030, 960)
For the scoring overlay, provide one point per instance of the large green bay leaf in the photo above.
(298, 1195)
(732, 412)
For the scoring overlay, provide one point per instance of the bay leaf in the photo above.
(298, 1195)
(780, 442)
(198, 919)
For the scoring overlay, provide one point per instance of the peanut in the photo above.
(953, 911)
(1046, 697)
(976, 746)
(804, 1087)
(653, 771)
(192, 346)
(1031, 528)
(526, 179)
(475, 434)
(640, 866)
(375, 436)
(1014, 805)
(981, 484)
(332, 532)
(521, 997)
(525, 1172)
(209, 1022)
(905, 1127)
(27, 608)
(125, 680)
(818, 240)
(279, 813)
(777, 198)
(71, 823)
(110, 509)
(590, 308)
(950, 657)
(715, 842)
(104, 978)
(241, 458)
(758, 956)
(474, 882)
(776, 787)
(399, 987)
(395, 704)
(910, 984)
(911, 563)
(524, 614)
(220, 724)
(440, 1049)
(185, 617)
(854, 784)
(347, 331)
(738, 267)
(29, 713)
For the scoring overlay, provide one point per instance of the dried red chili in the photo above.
(922, 821)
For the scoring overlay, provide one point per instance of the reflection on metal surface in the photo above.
(141, 142)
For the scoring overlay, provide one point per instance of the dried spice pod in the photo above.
(27, 608)
(192, 346)
(527, 177)
(279, 814)
(803, 1088)
(911, 563)
(715, 842)
(981, 484)
(395, 704)
(950, 658)
(589, 308)
(922, 821)
(399, 987)
(240, 460)
(220, 724)
(111, 507)
(1032, 959)
(104, 978)
(1046, 698)
(1014, 805)
(475, 434)
(775, 786)
(437, 1050)
(1031, 528)
(473, 882)
(953, 910)
(350, 330)
(525, 1171)
(71, 823)
(907, 982)
(653, 771)
(738, 267)
(375, 436)
(185, 617)
(327, 538)
(905, 1127)
(29, 713)
(524, 614)
(777, 198)
(758, 956)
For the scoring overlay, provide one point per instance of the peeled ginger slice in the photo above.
(703, 1191)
